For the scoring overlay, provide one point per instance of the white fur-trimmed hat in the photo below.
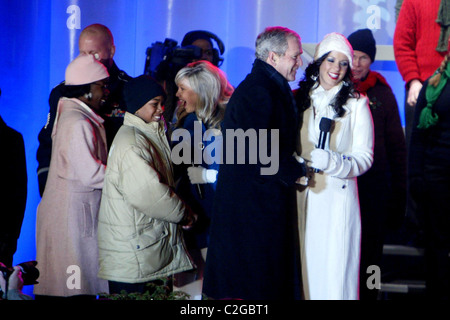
(334, 42)
(85, 69)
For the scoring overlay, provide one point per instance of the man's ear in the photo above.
(272, 58)
(112, 51)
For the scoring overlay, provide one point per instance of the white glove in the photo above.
(202, 175)
(298, 158)
(320, 159)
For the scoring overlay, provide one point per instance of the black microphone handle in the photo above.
(322, 137)
(321, 144)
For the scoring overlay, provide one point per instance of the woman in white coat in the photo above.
(329, 214)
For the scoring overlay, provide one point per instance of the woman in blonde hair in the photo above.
(203, 92)
(429, 174)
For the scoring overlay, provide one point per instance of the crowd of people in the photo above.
(129, 197)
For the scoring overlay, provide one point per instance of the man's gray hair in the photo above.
(273, 39)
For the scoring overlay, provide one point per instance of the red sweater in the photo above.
(416, 38)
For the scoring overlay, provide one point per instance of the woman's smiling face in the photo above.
(333, 69)
(188, 97)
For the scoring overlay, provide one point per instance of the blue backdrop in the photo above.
(40, 37)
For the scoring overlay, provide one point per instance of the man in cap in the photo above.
(382, 189)
(95, 39)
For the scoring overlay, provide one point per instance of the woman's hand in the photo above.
(198, 175)
(320, 159)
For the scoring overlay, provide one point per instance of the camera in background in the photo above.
(165, 59)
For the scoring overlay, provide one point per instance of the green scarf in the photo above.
(427, 117)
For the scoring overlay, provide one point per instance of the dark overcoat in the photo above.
(253, 238)
(13, 190)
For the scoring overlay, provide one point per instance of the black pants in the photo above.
(413, 213)
(435, 204)
(373, 199)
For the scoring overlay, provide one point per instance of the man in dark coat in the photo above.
(95, 39)
(253, 251)
(13, 191)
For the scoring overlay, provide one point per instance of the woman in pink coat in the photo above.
(66, 228)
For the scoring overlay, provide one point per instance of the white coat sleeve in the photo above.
(360, 158)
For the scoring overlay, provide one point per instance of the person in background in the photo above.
(203, 40)
(203, 92)
(253, 248)
(329, 212)
(382, 189)
(95, 39)
(13, 190)
(198, 38)
(139, 233)
(398, 5)
(67, 216)
(429, 173)
(420, 43)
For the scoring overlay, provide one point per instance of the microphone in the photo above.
(325, 127)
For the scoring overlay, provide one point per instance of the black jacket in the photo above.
(13, 190)
(429, 146)
(253, 238)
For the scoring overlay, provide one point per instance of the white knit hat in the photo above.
(334, 42)
(85, 69)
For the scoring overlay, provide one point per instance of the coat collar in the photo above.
(320, 92)
(370, 81)
(322, 100)
(274, 75)
(147, 128)
(88, 112)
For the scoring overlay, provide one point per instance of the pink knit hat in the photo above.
(85, 69)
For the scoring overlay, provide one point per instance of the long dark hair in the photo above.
(311, 81)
